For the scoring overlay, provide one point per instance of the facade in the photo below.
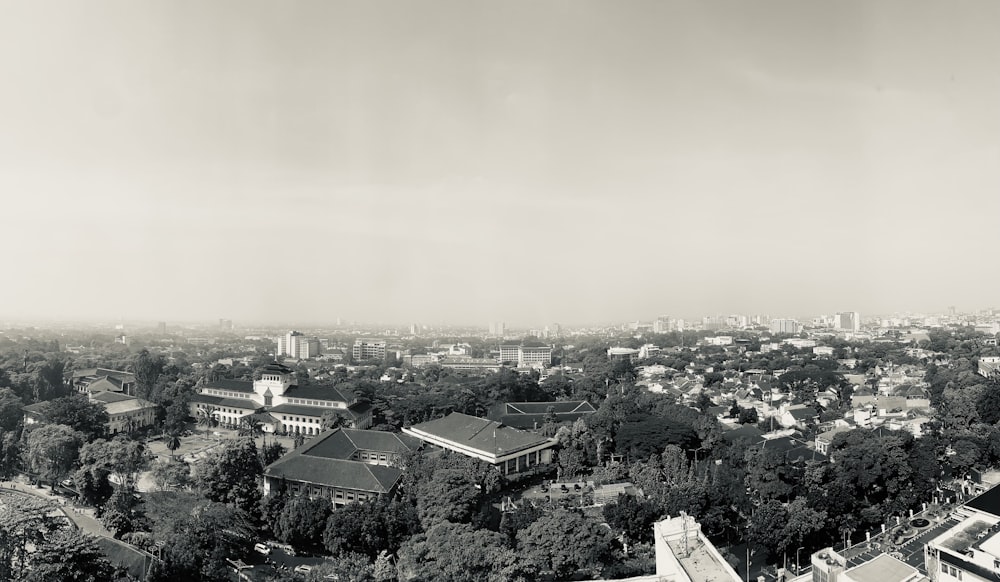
(368, 349)
(295, 409)
(616, 354)
(848, 321)
(295, 345)
(513, 452)
(789, 326)
(509, 353)
(342, 465)
(125, 413)
(534, 356)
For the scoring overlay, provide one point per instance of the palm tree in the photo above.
(206, 417)
(173, 443)
(251, 426)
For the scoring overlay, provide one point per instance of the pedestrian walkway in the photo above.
(82, 517)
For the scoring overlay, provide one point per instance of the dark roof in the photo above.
(353, 412)
(480, 434)
(318, 392)
(321, 462)
(234, 385)
(278, 368)
(803, 413)
(968, 566)
(747, 431)
(227, 402)
(344, 442)
(109, 397)
(987, 502)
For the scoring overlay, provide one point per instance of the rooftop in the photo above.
(882, 568)
(483, 435)
(988, 502)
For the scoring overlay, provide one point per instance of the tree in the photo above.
(207, 418)
(123, 512)
(302, 521)
(147, 369)
(370, 528)
(632, 516)
(11, 412)
(122, 458)
(69, 555)
(449, 495)
(230, 474)
(198, 542)
(51, 451)
(175, 474)
(451, 552)
(79, 413)
(173, 443)
(331, 419)
(563, 542)
(271, 452)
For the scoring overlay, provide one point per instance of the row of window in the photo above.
(951, 570)
(300, 419)
(305, 402)
(366, 456)
(338, 495)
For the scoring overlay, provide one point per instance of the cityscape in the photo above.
(480, 291)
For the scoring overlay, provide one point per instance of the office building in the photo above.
(789, 326)
(296, 345)
(368, 349)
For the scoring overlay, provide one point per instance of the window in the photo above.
(382, 458)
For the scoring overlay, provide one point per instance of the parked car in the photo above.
(302, 569)
(262, 549)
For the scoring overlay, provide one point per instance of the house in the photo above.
(342, 465)
(798, 416)
(532, 415)
(513, 452)
(125, 413)
(825, 439)
(92, 380)
(294, 409)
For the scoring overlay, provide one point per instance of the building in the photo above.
(534, 356)
(368, 349)
(513, 452)
(829, 565)
(969, 551)
(342, 465)
(509, 353)
(789, 326)
(618, 353)
(94, 380)
(297, 346)
(498, 329)
(226, 325)
(685, 554)
(125, 413)
(848, 321)
(295, 409)
(662, 324)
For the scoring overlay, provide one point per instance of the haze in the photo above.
(526, 161)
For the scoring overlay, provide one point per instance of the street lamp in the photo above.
(797, 560)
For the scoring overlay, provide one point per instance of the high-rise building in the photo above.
(225, 325)
(498, 329)
(534, 356)
(785, 326)
(161, 328)
(848, 321)
(662, 324)
(296, 345)
(368, 349)
(509, 353)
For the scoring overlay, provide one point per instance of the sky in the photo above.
(472, 161)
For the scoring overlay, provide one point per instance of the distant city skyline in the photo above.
(479, 161)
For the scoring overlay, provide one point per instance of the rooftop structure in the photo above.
(684, 554)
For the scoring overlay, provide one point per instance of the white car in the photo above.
(302, 569)
(262, 549)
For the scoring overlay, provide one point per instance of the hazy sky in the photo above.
(534, 162)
